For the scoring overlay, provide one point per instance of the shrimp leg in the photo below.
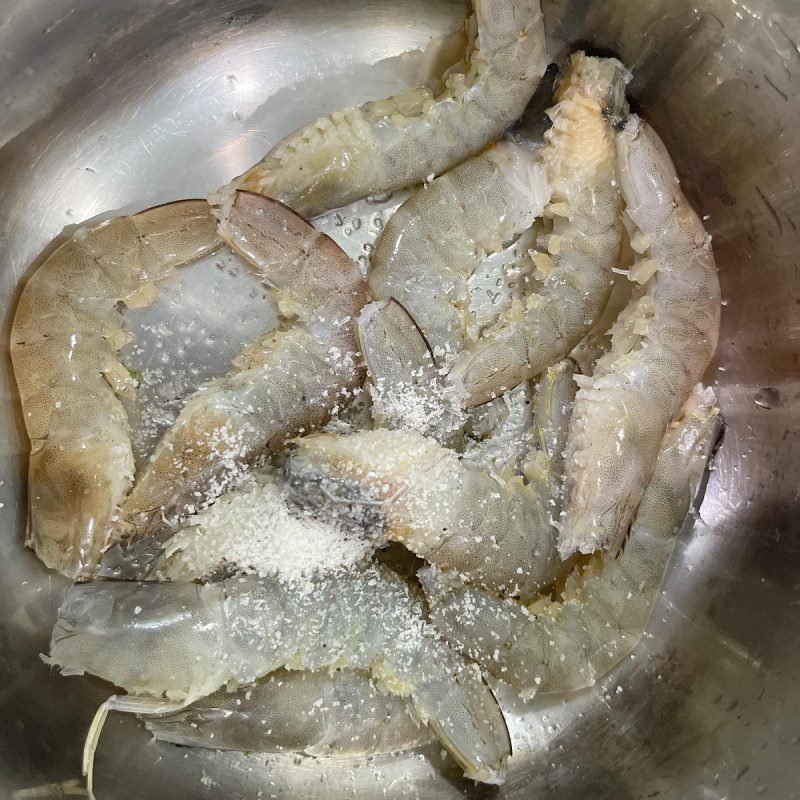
(660, 348)
(397, 142)
(320, 713)
(184, 641)
(499, 534)
(64, 341)
(286, 383)
(583, 246)
(569, 644)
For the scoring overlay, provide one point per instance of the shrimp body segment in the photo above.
(64, 343)
(582, 247)
(286, 383)
(185, 640)
(408, 488)
(660, 347)
(399, 141)
(565, 645)
(437, 238)
(320, 713)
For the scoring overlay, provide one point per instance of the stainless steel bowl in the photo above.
(110, 106)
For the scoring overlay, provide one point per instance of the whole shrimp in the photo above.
(183, 641)
(438, 237)
(321, 713)
(406, 487)
(584, 244)
(399, 141)
(69, 376)
(564, 645)
(660, 347)
(66, 334)
(288, 382)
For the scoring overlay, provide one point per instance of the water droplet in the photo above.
(768, 398)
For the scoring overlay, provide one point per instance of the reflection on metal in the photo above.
(127, 104)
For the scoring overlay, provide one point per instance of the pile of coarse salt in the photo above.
(255, 530)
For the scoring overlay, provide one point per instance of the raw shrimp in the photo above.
(559, 646)
(184, 641)
(500, 433)
(584, 244)
(408, 488)
(405, 384)
(65, 338)
(437, 238)
(660, 347)
(286, 383)
(321, 713)
(399, 141)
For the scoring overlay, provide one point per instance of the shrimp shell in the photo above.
(405, 385)
(184, 641)
(660, 347)
(565, 645)
(65, 337)
(321, 713)
(286, 383)
(438, 237)
(399, 141)
(583, 246)
(408, 488)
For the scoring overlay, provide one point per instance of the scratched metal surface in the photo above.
(112, 106)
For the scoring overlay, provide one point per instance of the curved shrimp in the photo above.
(184, 641)
(561, 646)
(499, 534)
(321, 713)
(399, 141)
(286, 383)
(65, 340)
(584, 244)
(660, 348)
(438, 237)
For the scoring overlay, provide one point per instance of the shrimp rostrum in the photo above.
(569, 643)
(401, 140)
(403, 486)
(182, 641)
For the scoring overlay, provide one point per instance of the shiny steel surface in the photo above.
(109, 106)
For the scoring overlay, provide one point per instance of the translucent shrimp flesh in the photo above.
(568, 644)
(406, 487)
(660, 347)
(438, 237)
(65, 339)
(583, 245)
(320, 713)
(182, 641)
(286, 383)
(401, 140)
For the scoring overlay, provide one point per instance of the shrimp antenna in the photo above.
(125, 705)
